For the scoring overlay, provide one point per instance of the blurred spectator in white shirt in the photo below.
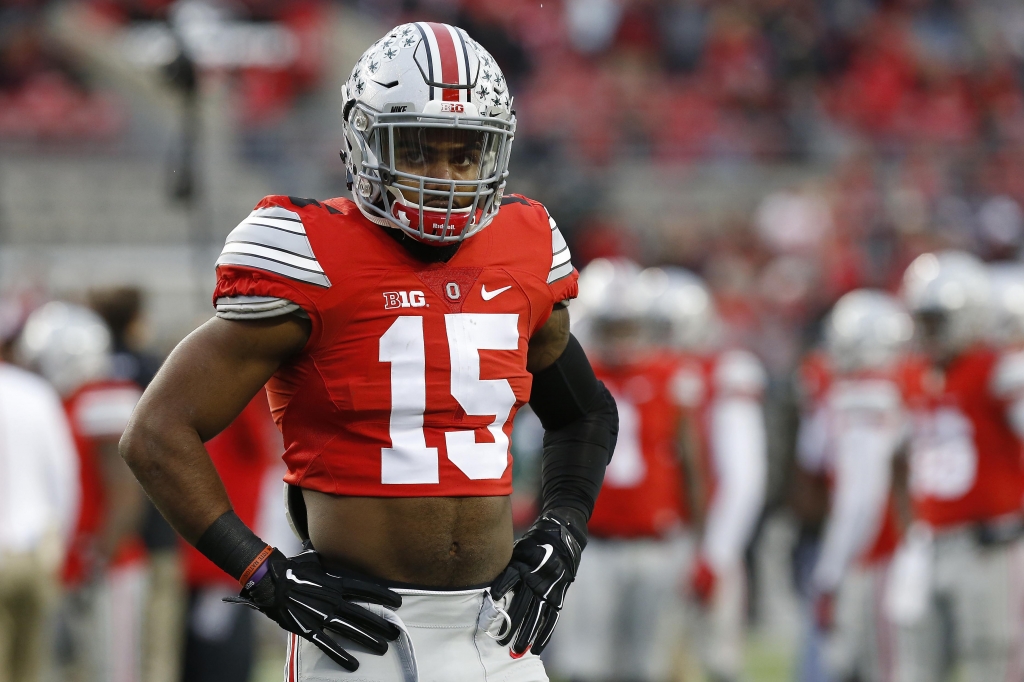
(39, 496)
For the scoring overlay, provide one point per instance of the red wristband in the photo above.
(254, 566)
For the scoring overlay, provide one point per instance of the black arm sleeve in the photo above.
(581, 424)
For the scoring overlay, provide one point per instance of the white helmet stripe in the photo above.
(460, 56)
(435, 73)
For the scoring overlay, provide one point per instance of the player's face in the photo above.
(445, 155)
(619, 342)
(931, 329)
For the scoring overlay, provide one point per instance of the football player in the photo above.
(105, 569)
(399, 332)
(620, 622)
(720, 390)
(856, 426)
(966, 482)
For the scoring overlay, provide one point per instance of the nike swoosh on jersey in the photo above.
(488, 295)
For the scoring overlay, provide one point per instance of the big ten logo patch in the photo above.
(404, 299)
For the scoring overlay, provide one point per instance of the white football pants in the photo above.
(975, 616)
(446, 637)
(863, 644)
(623, 613)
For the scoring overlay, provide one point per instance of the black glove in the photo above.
(303, 598)
(544, 564)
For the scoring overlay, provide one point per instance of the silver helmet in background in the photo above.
(949, 295)
(1007, 281)
(867, 329)
(683, 309)
(69, 345)
(611, 313)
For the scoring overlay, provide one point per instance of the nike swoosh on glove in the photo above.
(303, 598)
(544, 564)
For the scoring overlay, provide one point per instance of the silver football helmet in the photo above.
(867, 329)
(68, 344)
(683, 308)
(1007, 280)
(949, 295)
(609, 315)
(428, 126)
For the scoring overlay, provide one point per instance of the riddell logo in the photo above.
(404, 299)
(453, 107)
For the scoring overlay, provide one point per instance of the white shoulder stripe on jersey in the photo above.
(561, 259)
(273, 239)
(276, 267)
(274, 255)
(559, 272)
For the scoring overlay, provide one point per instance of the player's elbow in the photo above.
(140, 443)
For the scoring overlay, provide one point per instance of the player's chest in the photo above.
(438, 324)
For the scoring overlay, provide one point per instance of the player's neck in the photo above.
(421, 251)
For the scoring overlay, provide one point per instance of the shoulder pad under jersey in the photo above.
(739, 372)
(273, 239)
(1007, 380)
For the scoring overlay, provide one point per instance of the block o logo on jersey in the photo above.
(404, 299)
(452, 291)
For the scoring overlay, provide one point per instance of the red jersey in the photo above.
(965, 459)
(413, 371)
(241, 454)
(98, 412)
(642, 494)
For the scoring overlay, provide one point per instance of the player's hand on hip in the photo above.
(544, 564)
(300, 596)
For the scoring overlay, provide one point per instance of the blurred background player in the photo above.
(39, 497)
(105, 570)
(121, 308)
(621, 621)
(720, 389)
(846, 447)
(955, 584)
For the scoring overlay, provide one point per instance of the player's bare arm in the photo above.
(205, 383)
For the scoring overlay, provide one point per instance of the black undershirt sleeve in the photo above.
(581, 424)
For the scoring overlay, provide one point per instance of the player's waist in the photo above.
(994, 531)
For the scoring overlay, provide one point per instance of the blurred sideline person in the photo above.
(622, 619)
(121, 308)
(726, 455)
(399, 331)
(959, 577)
(858, 422)
(220, 644)
(105, 571)
(39, 497)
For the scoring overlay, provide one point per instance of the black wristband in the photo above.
(230, 544)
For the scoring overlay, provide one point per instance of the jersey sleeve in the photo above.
(267, 267)
(562, 278)
(739, 373)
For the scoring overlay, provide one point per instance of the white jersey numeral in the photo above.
(627, 468)
(408, 460)
(943, 459)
